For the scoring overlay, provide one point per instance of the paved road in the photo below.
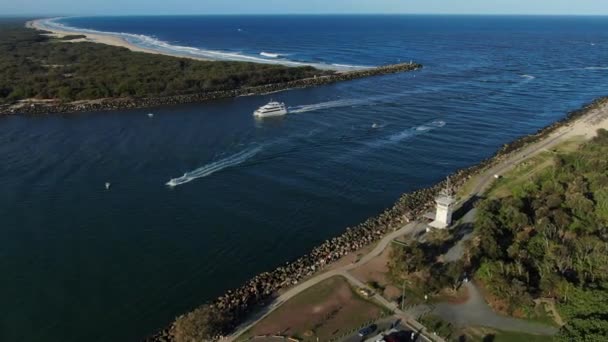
(476, 312)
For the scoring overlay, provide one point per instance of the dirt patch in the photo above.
(325, 311)
(375, 271)
(459, 296)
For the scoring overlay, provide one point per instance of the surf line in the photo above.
(213, 167)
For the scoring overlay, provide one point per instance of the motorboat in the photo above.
(273, 108)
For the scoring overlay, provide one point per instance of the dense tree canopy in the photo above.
(550, 239)
(33, 65)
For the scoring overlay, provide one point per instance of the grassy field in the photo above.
(328, 310)
(524, 171)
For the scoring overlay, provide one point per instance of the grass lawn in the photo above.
(327, 310)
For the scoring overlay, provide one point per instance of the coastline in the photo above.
(36, 106)
(239, 303)
(99, 38)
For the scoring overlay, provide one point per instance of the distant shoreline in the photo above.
(315, 77)
(118, 39)
(38, 24)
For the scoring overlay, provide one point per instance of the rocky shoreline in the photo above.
(50, 106)
(236, 304)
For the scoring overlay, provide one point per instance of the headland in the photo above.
(172, 79)
(232, 310)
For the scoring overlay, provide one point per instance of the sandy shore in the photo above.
(38, 24)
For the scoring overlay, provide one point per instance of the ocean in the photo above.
(80, 262)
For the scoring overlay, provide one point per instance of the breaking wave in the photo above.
(215, 166)
(270, 54)
(152, 43)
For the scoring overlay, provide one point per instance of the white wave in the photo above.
(152, 43)
(529, 77)
(270, 54)
(215, 166)
(596, 68)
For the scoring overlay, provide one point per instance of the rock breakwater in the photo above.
(51, 106)
(236, 304)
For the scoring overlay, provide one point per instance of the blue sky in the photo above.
(118, 7)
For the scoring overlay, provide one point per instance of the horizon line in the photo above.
(305, 14)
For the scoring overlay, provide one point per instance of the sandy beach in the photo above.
(38, 24)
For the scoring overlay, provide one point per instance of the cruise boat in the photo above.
(273, 108)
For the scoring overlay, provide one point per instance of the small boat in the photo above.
(375, 125)
(107, 185)
(273, 108)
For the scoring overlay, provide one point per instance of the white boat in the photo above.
(273, 108)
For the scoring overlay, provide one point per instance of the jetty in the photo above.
(107, 104)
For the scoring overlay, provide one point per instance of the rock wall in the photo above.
(239, 302)
(131, 103)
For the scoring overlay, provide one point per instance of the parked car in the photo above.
(367, 330)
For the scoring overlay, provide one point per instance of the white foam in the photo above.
(152, 43)
(270, 54)
(215, 166)
(529, 77)
(596, 68)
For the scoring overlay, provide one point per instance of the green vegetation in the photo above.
(438, 326)
(33, 65)
(527, 170)
(549, 238)
(417, 266)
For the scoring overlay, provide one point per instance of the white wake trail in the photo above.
(327, 105)
(215, 166)
(408, 133)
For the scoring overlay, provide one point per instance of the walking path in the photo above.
(476, 312)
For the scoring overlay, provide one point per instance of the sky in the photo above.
(126, 7)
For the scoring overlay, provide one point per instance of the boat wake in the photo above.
(152, 43)
(215, 166)
(329, 104)
(408, 133)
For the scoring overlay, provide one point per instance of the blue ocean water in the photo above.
(80, 262)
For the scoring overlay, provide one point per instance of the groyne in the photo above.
(51, 106)
(237, 303)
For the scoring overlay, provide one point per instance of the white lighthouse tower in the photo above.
(445, 206)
